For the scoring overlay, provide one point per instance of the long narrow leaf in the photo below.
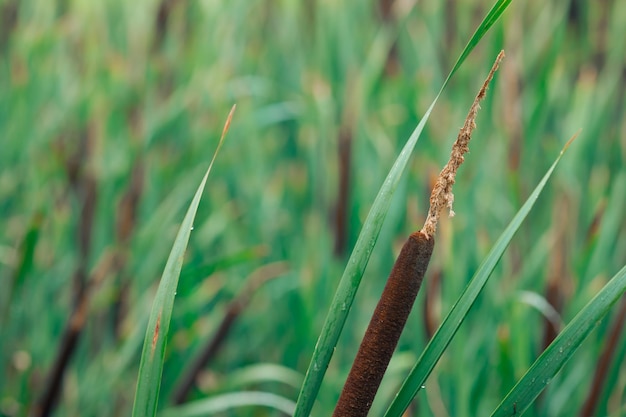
(492, 17)
(351, 278)
(153, 353)
(561, 349)
(444, 334)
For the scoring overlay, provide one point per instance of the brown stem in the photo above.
(602, 368)
(451, 15)
(161, 22)
(129, 204)
(88, 193)
(126, 222)
(69, 341)
(233, 311)
(343, 196)
(344, 160)
(431, 318)
(9, 15)
(558, 279)
(512, 112)
(387, 17)
(71, 336)
(385, 328)
(84, 184)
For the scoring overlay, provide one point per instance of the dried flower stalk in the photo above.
(441, 195)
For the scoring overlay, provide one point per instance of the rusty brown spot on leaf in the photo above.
(156, 333)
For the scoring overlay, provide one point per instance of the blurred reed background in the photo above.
(110, 112)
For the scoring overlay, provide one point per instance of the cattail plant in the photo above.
(404, 282)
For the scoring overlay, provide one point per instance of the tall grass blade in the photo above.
(561, 349)
(153, 353)
(351, 278)
(444, 334)
(492, 16)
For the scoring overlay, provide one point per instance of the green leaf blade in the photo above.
(151, 366)
(561, 349)
(153, 352)
(492, 17)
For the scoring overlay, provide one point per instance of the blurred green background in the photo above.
(110, 112)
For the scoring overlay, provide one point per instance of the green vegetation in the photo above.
(110, 113)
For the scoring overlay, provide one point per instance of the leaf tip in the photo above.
(228, 120)
(569, 142)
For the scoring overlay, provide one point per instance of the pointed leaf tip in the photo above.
(572, 139)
